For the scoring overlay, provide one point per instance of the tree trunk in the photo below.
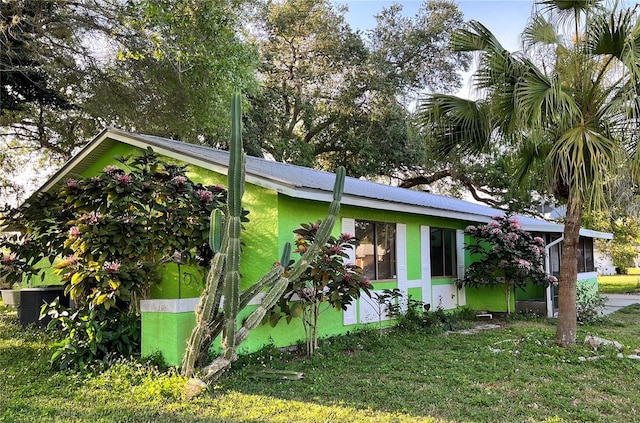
(567, 316)
(507, 294)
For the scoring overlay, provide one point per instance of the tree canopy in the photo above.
(158, 67)
(331, 96)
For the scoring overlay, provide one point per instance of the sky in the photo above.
(504, 18)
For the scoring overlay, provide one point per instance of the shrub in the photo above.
(509, 256)
(589, 303)
(113, 232)
(328, 283)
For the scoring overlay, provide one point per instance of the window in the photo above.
(443, 252)
(585, 255)
(376, 253)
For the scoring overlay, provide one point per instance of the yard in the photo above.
(619, 284)
(510, 374)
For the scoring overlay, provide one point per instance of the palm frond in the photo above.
(532, 152)
(609, 33)
(539, 31)
(475, 37)
(455, 124)
(585, 160)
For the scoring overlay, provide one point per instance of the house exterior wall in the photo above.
(272, 218)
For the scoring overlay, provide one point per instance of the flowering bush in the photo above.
(328, 281)
(112, 232)
(509, 256)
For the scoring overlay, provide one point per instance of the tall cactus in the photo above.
(224, 276)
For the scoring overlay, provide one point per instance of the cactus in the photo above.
(224, 276)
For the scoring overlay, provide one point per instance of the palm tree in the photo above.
(568, 103)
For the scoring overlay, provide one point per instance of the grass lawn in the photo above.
(619, 284)
(511, 374)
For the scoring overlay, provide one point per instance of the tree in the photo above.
(510, 256)
(112, 233)
(626, 235)
(486, 177)
(331, 97)
(328, 283)
(159, 67)
(568, 100)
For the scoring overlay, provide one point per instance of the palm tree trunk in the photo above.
(567, 316)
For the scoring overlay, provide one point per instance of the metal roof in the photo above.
(303, 182)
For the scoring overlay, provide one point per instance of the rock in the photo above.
(194, 387)
(634, 356)
(495, 350)
(598, 357)
(596, 341)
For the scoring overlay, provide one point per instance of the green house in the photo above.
(410, 240)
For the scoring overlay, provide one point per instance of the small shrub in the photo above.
(92, 334)
(418, 317)
(589, 303)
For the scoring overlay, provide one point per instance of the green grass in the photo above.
(619, 284)
(398, 377)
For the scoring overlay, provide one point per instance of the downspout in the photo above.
(547, 268)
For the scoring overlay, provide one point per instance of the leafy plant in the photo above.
(110, 234)
(589, 303)
(508, 255)
(91, 334)
(327, 284)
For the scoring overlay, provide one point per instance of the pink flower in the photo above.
(72, 259)
(92, 218)
(8, 259)
(335, 249)
(496, 231)
(345, 236)
(72, 183)
(218, 187)
(111, 266)
(493, 224)
(111, 170)
(366, 283)
(74, 232)
(179, 180)
(523, 264)
(124, 179)
(204, 195)
(552, 279)
(539, 240)
(470, 228)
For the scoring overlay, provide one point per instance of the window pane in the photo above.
(437, 250)
(365, 257)
(588, 255)
(581, 255)
(385, 250)
(449, 236)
